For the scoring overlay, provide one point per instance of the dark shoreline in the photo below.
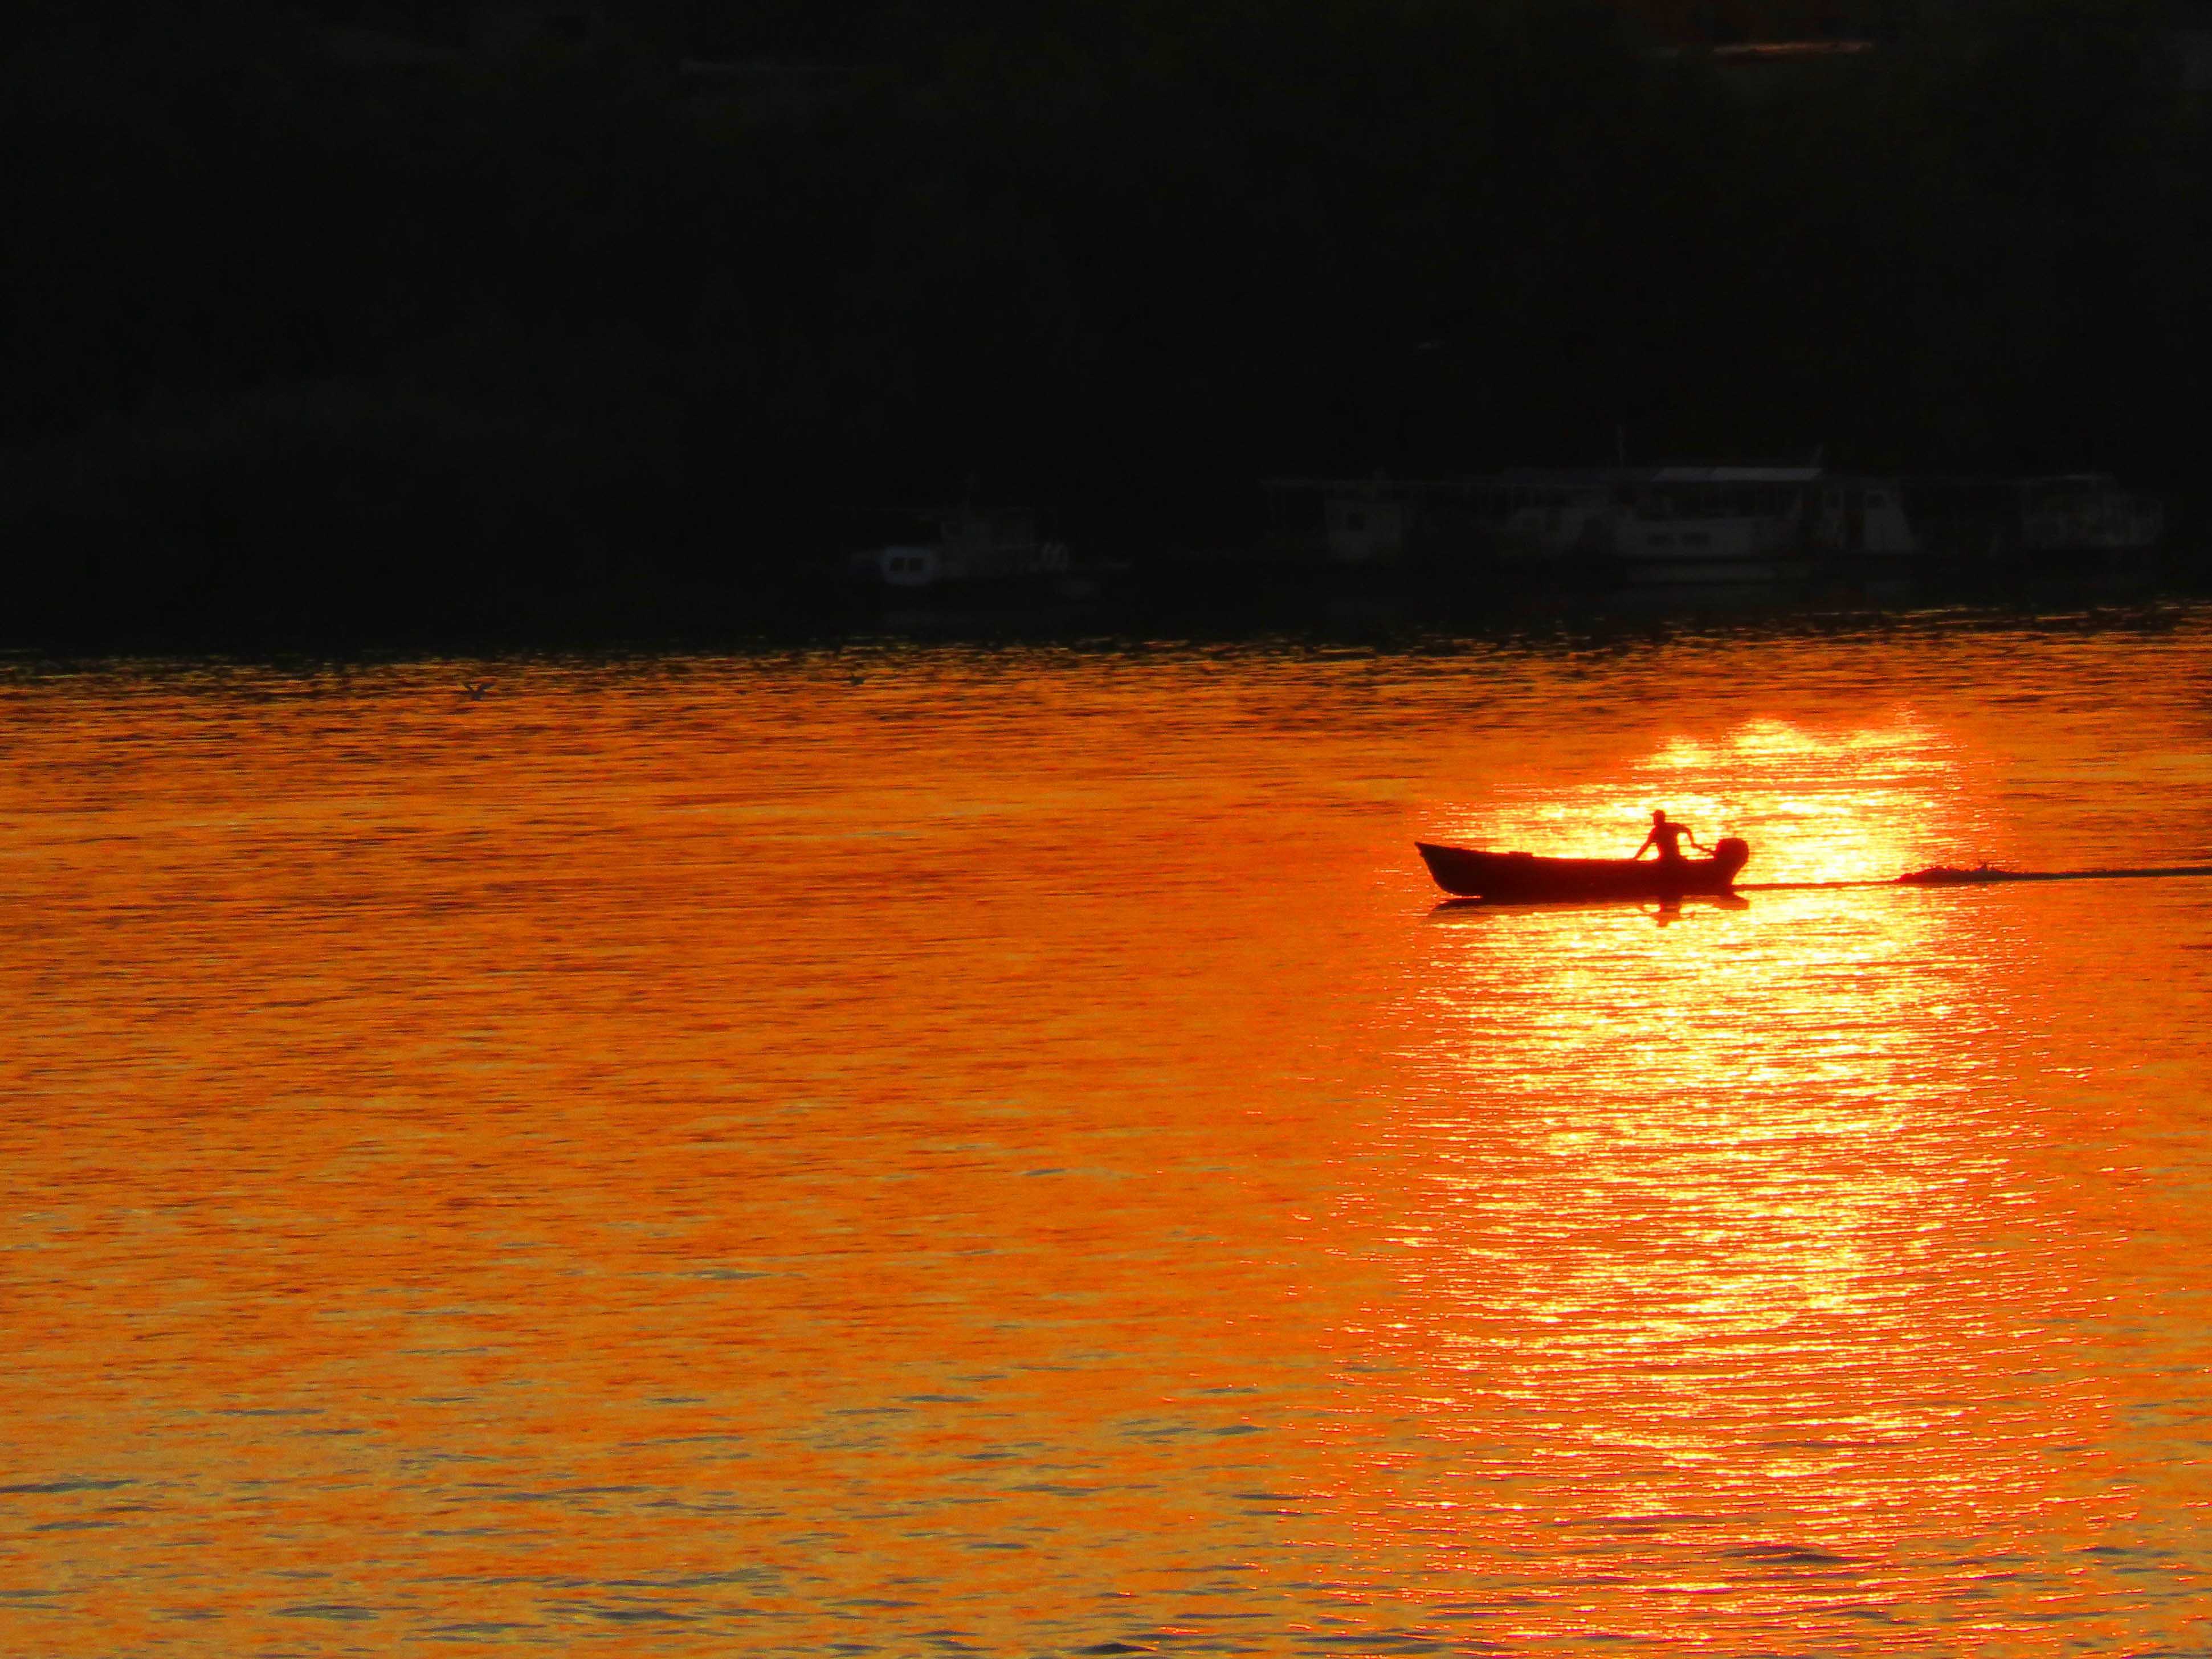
(558, 337)
(1276, 603)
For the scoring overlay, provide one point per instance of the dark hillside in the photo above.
(422, 321)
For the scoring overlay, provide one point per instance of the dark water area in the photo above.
(908, 1147)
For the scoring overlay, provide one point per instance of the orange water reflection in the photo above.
(903, 1146)
(1710, 1238)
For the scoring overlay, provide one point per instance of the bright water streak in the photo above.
(889, 1150)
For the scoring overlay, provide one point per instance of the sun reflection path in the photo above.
(1706, 1237)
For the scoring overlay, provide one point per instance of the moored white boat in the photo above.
(1705, 526)
(971, 546)
(1716, 526)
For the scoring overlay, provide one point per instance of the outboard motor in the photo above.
(1730, 856)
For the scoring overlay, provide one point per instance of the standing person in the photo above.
(1667, 838)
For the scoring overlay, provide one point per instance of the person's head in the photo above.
(1660, 816)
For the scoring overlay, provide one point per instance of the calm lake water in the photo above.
(908, 1149)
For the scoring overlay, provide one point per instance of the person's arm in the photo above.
(1648, 843)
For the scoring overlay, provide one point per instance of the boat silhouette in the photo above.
(1527, 879)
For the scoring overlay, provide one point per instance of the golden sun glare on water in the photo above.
(1854, 803)
(1682, 1211)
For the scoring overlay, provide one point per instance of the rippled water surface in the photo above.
(905, 1150)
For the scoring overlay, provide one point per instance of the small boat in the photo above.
(1525, 878)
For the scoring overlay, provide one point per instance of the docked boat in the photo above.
(972, 548)
(1525, 878)
(1699, 526)
(1719, 530)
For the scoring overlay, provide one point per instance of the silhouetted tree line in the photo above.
(298, 334)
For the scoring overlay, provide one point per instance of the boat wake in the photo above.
(1982, 875)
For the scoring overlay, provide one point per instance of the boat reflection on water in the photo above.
(1662, 910)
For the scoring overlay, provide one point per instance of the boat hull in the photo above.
(1525, 878)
